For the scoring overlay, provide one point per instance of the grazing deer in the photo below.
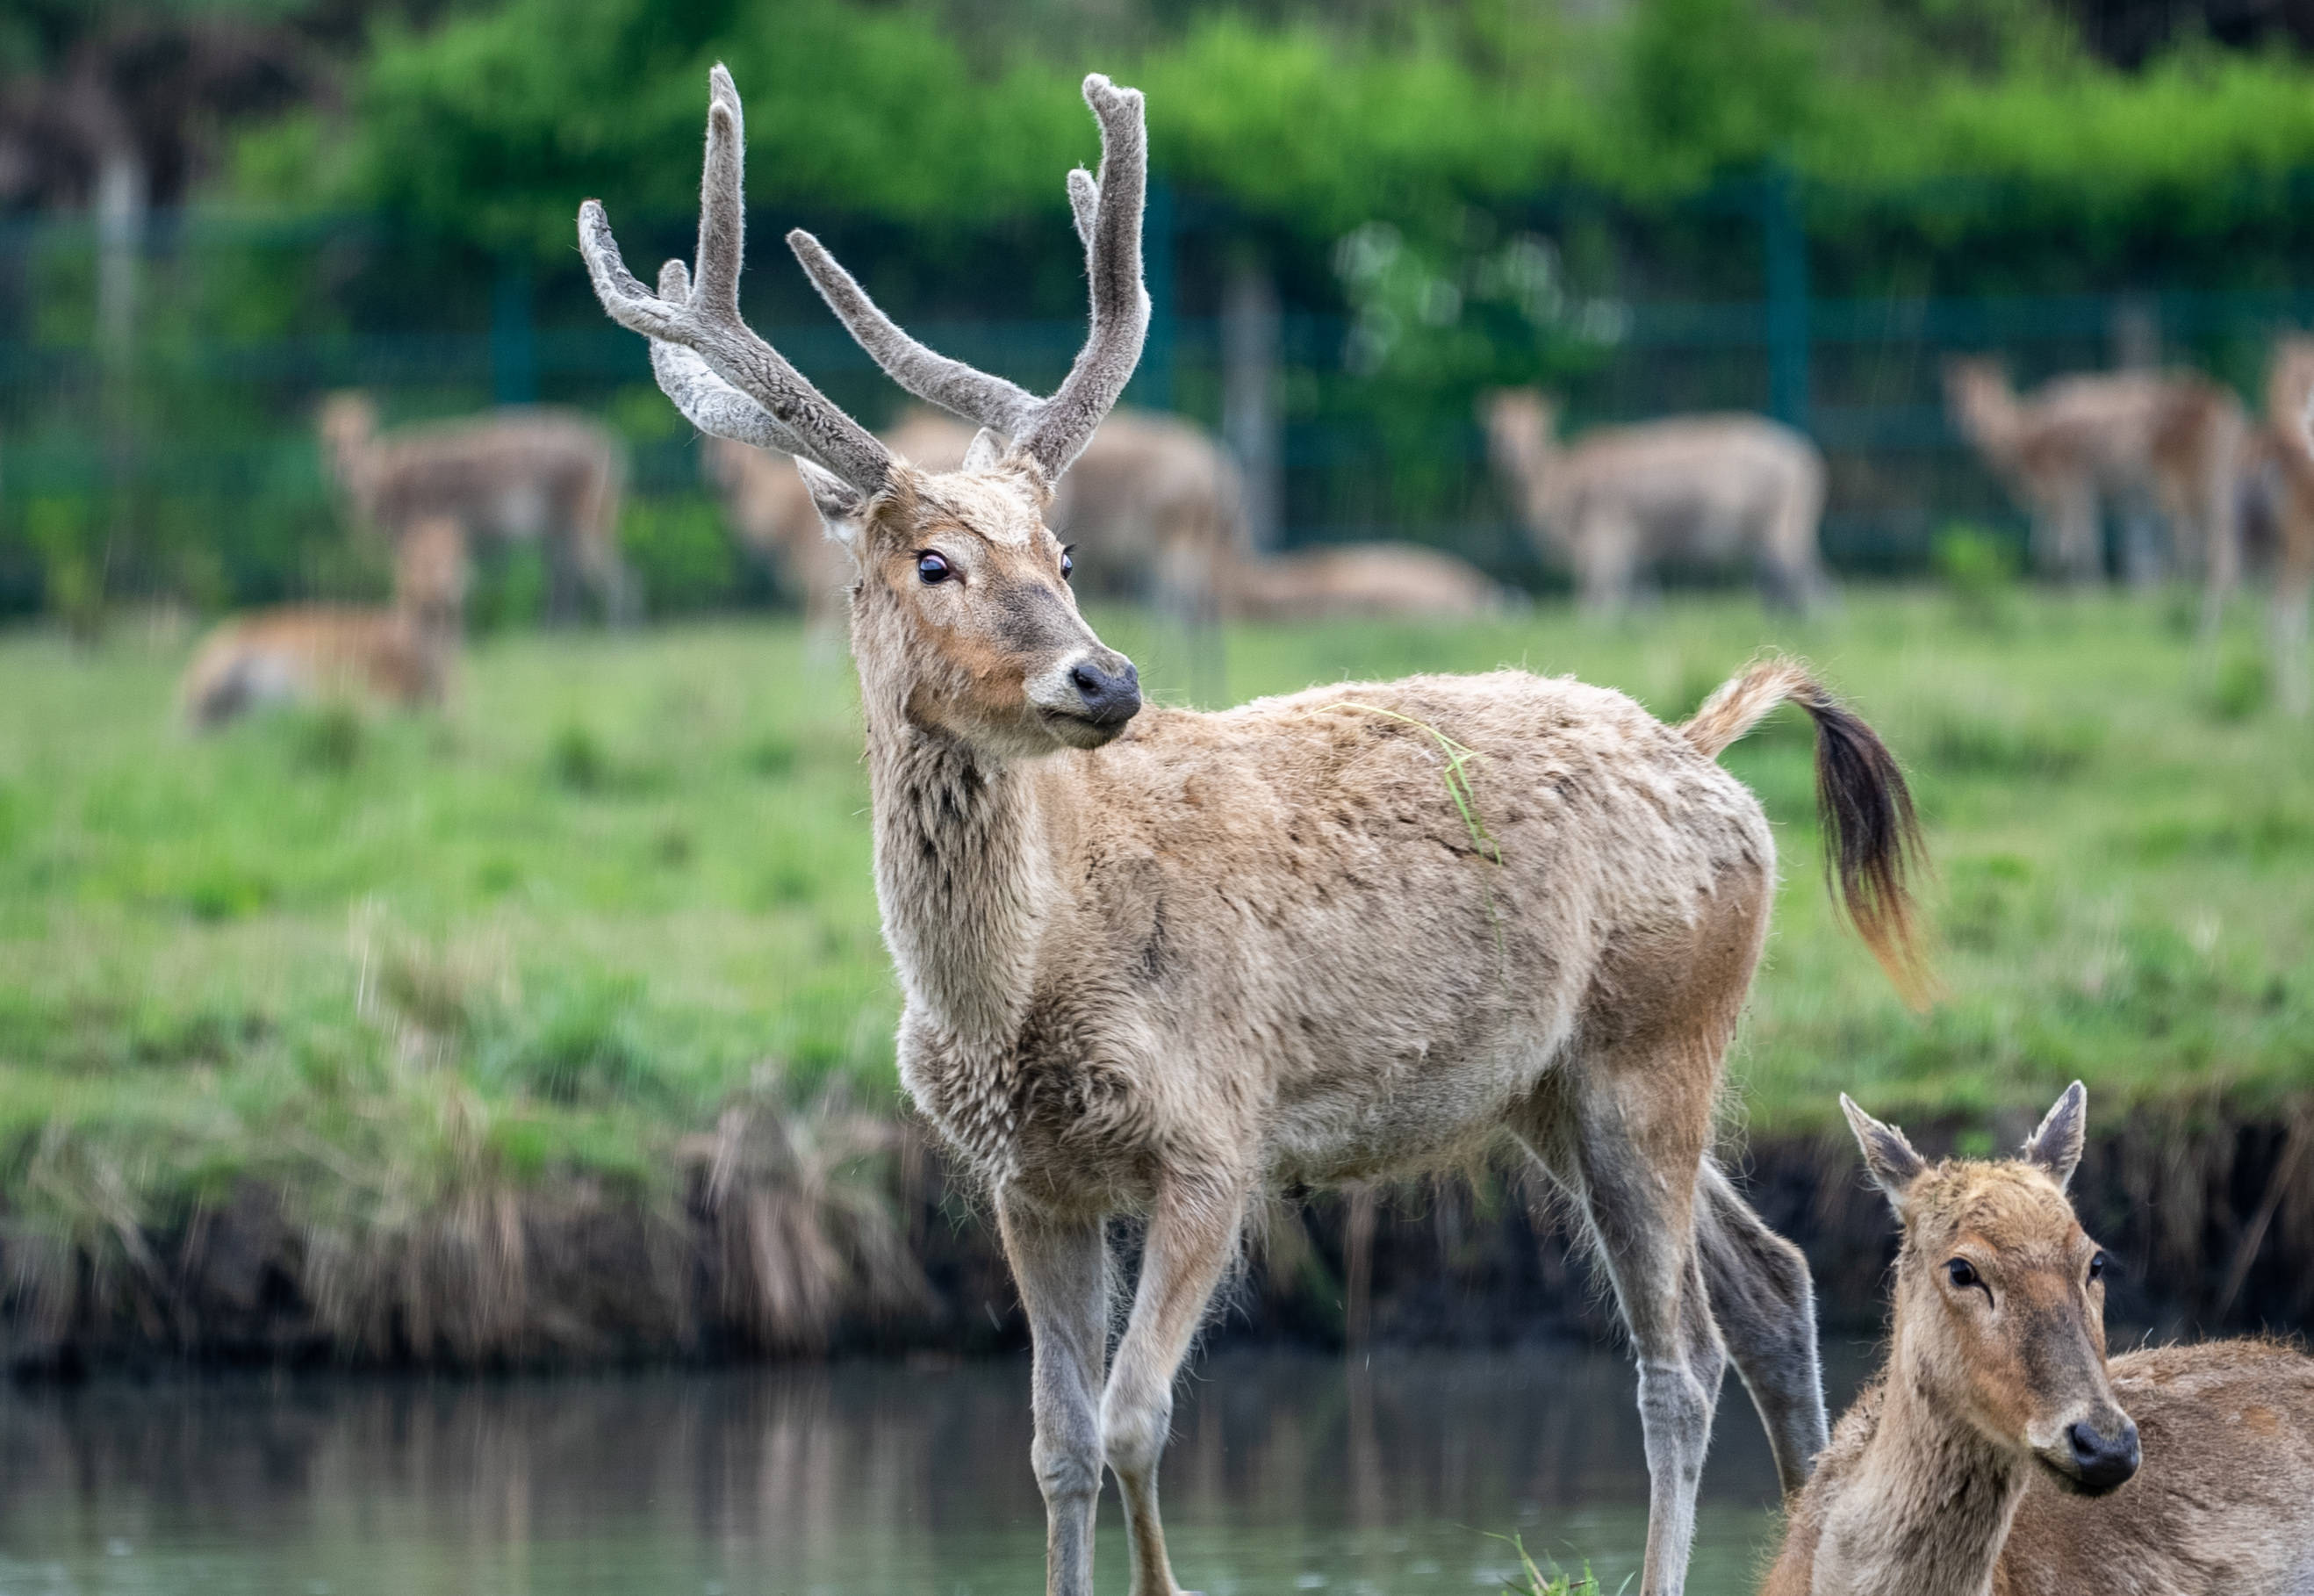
(1990, 1456)
(1155, 960)
(1400, 581)
(404, 655)
(1621, 499)
(1154, 497)
(2175, 437)
(514, 475)
(2282, 443)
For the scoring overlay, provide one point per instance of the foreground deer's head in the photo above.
(963, 621)
(2001, 1298)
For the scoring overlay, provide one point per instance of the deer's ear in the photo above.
(985, 451)
(842, 508)
(1895, 1166)
(2056, 1146)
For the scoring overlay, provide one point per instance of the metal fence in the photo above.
(177, 455)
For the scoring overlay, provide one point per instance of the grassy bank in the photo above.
(397, 968)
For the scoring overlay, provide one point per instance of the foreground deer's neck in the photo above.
(960, 876)
(1925, 1510)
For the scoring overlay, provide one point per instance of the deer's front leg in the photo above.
(1192, 1234)
(1061, 1266)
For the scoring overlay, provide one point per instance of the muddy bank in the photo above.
(2210, 1217)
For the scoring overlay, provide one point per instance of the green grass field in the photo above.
(626, 878)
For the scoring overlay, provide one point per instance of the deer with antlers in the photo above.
(1155, 960)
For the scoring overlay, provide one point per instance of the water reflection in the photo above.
(1288, 1474)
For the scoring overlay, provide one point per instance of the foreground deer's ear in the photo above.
(842, 508)
(2056, 1146)
(1895, 1166)
(986, 450)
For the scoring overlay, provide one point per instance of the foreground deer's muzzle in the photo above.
(1109, 688)
(2095, 1454)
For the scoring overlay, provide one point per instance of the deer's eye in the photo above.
(933, 568)
(1961, 1274)
(2096, 1266)
(1067, 565)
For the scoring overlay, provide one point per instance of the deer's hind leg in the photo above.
(1624, 1128)
(1764, 1304)
(1061, 1266)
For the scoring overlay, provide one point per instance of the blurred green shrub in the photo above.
(1980, 570)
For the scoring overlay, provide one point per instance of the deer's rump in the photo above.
(1348, 946)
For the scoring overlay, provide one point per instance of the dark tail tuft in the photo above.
(1872, 836)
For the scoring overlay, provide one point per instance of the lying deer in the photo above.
(1622, 500)
(404, 655)
(1155, 960)
(1993, 1455)
(1154, 499)
(1394, 581)
(2175, 437)
(515, 475)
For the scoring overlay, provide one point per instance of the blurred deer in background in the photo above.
(1380, 581)
(2282, 446)
(1155, 960)
(405, 655)
(1155, 501)
(1620, 500)
(1993, 1455)
(514, 475)
(2076, 440)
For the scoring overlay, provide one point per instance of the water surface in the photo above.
(1288, 1474)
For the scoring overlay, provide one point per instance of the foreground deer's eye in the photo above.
(932, 568)
(1067, 565)
(1961, 1273)
(2097, 1267)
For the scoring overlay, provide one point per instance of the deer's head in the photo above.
(963, 620)
(1999, 1295)
(430, 571)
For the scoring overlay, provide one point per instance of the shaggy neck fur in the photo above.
(1992, 417)
(958, 879)
(1926, 1507)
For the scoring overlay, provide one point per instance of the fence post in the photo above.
(1154, 381)
(1250, 365)
(1785, 245)
(513, 341)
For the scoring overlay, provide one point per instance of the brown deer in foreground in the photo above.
(1155, 960)
(1155, 501)
(1994, 1455)
(514, 475)
(1621, 499)
(404, 655)
(2176, 437)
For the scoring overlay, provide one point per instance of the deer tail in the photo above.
(1872, 836)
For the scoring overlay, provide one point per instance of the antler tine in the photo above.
(1064, 423)
(706, 321)
(1085, 205)
(706, 400)
(975, 394)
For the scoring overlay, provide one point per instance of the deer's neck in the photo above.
(961, 877)
(1926, 1508)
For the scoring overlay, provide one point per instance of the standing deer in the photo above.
(1621, 499)
(1993, 1456)
(1154, 497)
(2283, 442)
(1155, 960)
(514, 475)
(404, 655)
(2175, 437)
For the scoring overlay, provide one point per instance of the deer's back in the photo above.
(304, 652)
(1356, 924)
(2224, 1502)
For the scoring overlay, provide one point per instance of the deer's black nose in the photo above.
(2104, 1461)
(1111, 696)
